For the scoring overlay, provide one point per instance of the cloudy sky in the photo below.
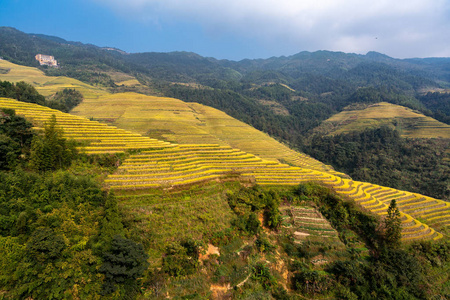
(238, 29)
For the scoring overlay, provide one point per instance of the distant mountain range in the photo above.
(251, 90)
(20, 47)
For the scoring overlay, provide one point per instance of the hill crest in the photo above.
(408, 122)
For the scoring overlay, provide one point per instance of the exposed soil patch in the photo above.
(211, 250)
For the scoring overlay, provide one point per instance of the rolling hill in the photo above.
(46, 85)
(409, 123)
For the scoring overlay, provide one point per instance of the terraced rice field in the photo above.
(409, 123)
(184, 164)
(47, 85)
(164, 165)
(309, 224)
(98, 137)
(433, 213)
(189, 123)
(161, 118)
(190, 164)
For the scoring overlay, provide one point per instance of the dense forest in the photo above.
(382, 157)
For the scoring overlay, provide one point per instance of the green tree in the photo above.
(122, 265)
(393, 225)
(45, 245)
(272, 215)
(51, 151)
(66, 99)
(9, 152)
(21, 91)
(253, 224)
(15, 138)
(111, 224)
(27, 93)
(262, 274)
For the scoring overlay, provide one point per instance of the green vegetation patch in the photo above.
(160, 217)
(381, 156)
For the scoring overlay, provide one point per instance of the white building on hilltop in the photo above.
(46, 60)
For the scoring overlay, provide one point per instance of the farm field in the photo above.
(191, 164)
(188, 123)
(409, 123)
(166, 165)
(162, 118)
(309, 224)
(96, 138)
(46, 85)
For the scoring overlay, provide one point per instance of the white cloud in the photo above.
(392, 27)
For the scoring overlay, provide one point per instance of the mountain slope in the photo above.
(188, 123)
(46, 85)
(165, 165)
(409, 123)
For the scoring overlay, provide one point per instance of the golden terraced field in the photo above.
(165, 165)
(163, 118)
(410, 123)
(203, 144)
(188, 164)
(98, 137)
(188, 123)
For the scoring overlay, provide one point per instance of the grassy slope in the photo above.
(120, 78)
(165, 216)
(44, 84)
(410, 123)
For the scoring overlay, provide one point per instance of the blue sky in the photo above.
(238, 29)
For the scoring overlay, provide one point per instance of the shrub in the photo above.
(181, 258)
(262, 274)
(122, 265)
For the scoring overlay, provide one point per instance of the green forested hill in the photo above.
(381, 156)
